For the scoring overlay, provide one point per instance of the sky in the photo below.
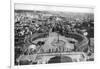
(53, 8)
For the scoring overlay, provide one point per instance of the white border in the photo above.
(12, 40)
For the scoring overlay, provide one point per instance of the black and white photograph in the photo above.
(48, 34)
